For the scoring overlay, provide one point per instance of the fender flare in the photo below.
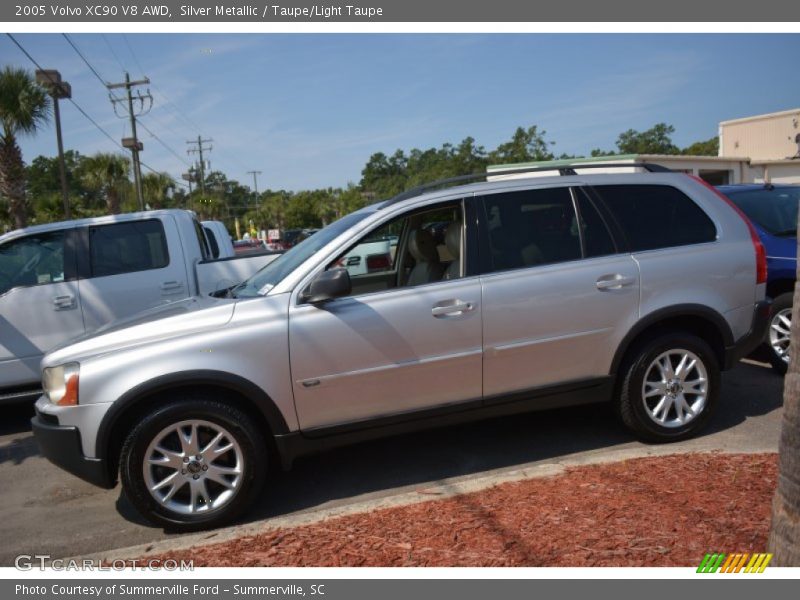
(255, 394)
(671, 312)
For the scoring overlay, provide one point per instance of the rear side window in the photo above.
(597, 240)
(657, 216)
(532, 227)
(128, 247)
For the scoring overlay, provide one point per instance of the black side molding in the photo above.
(299, 443)
(751, 340)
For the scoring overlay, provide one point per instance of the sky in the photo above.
(308, 110)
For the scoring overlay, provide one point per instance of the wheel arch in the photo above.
(134, 404)
(697, 319)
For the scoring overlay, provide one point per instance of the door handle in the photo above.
(451, 308)
(64, 302)
(170, 286)
(614, 282)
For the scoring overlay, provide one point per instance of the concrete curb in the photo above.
(442, 489)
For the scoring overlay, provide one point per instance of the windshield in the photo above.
(278, 269)
(774, 210)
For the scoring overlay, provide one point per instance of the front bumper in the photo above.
(753, 338)
(61, 445)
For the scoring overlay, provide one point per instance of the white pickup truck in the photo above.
(62, 280)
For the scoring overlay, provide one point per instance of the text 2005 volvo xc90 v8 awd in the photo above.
(490, 298)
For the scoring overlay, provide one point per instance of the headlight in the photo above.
(60, 384)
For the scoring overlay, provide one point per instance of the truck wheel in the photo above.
(670, 387)
(779, 332)
(193, 464)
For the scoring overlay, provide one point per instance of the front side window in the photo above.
(421, 247)
(32, 260)
(531, 228)
(127, 247)
(657, 216)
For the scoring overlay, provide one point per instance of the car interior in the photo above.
(417, 249)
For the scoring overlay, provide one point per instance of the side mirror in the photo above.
(328, 285)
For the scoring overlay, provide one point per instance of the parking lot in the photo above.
(46, 511)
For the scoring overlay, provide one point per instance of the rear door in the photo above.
(40, 306)
(130, 266)
(558, 295)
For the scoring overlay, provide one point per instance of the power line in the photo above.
(174, 107)
(113, 53)
(86, 115)
(116, 100)
(88, 64)
(133, 54)
(83, 112)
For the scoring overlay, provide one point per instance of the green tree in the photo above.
(157, 189)
(384, 176)
(525, 145)
(656, 140)
(107, 174)
(601, 152)
(706, 148)
(24, 108)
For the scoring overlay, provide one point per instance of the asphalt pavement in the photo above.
(44, 510)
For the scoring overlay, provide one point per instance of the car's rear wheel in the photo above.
(670, 387)
(195, 463)
(779, 333)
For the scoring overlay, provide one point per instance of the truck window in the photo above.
(128, 247)
(32, 260)
(212, 242)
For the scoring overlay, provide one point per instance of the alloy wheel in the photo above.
(675, 388)
(193, 467)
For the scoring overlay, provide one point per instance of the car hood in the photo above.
(191, 315)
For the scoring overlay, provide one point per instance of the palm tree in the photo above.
(157, 187)
(24, 108)
(107, 174)
(784, 537)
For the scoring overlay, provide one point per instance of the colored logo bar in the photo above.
(734, 563)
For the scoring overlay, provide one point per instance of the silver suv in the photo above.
(498, 297)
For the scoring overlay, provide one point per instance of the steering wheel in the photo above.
(31, 264)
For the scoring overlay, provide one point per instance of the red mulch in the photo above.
(665, 511)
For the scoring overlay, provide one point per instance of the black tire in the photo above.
(251, 457)
(782, 302)
(631, 403)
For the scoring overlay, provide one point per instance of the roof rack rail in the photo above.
(563, 170)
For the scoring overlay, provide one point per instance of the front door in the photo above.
(407, 339)
(40, 306)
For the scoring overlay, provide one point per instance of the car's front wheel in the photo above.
(669, 388)
(779, 333)
(194, 463)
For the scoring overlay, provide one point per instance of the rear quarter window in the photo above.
(657, 216)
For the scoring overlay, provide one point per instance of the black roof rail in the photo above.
(563, 170)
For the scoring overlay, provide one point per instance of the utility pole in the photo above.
(50, 79)
(133, 143)
(198, 148)
(255, 175)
